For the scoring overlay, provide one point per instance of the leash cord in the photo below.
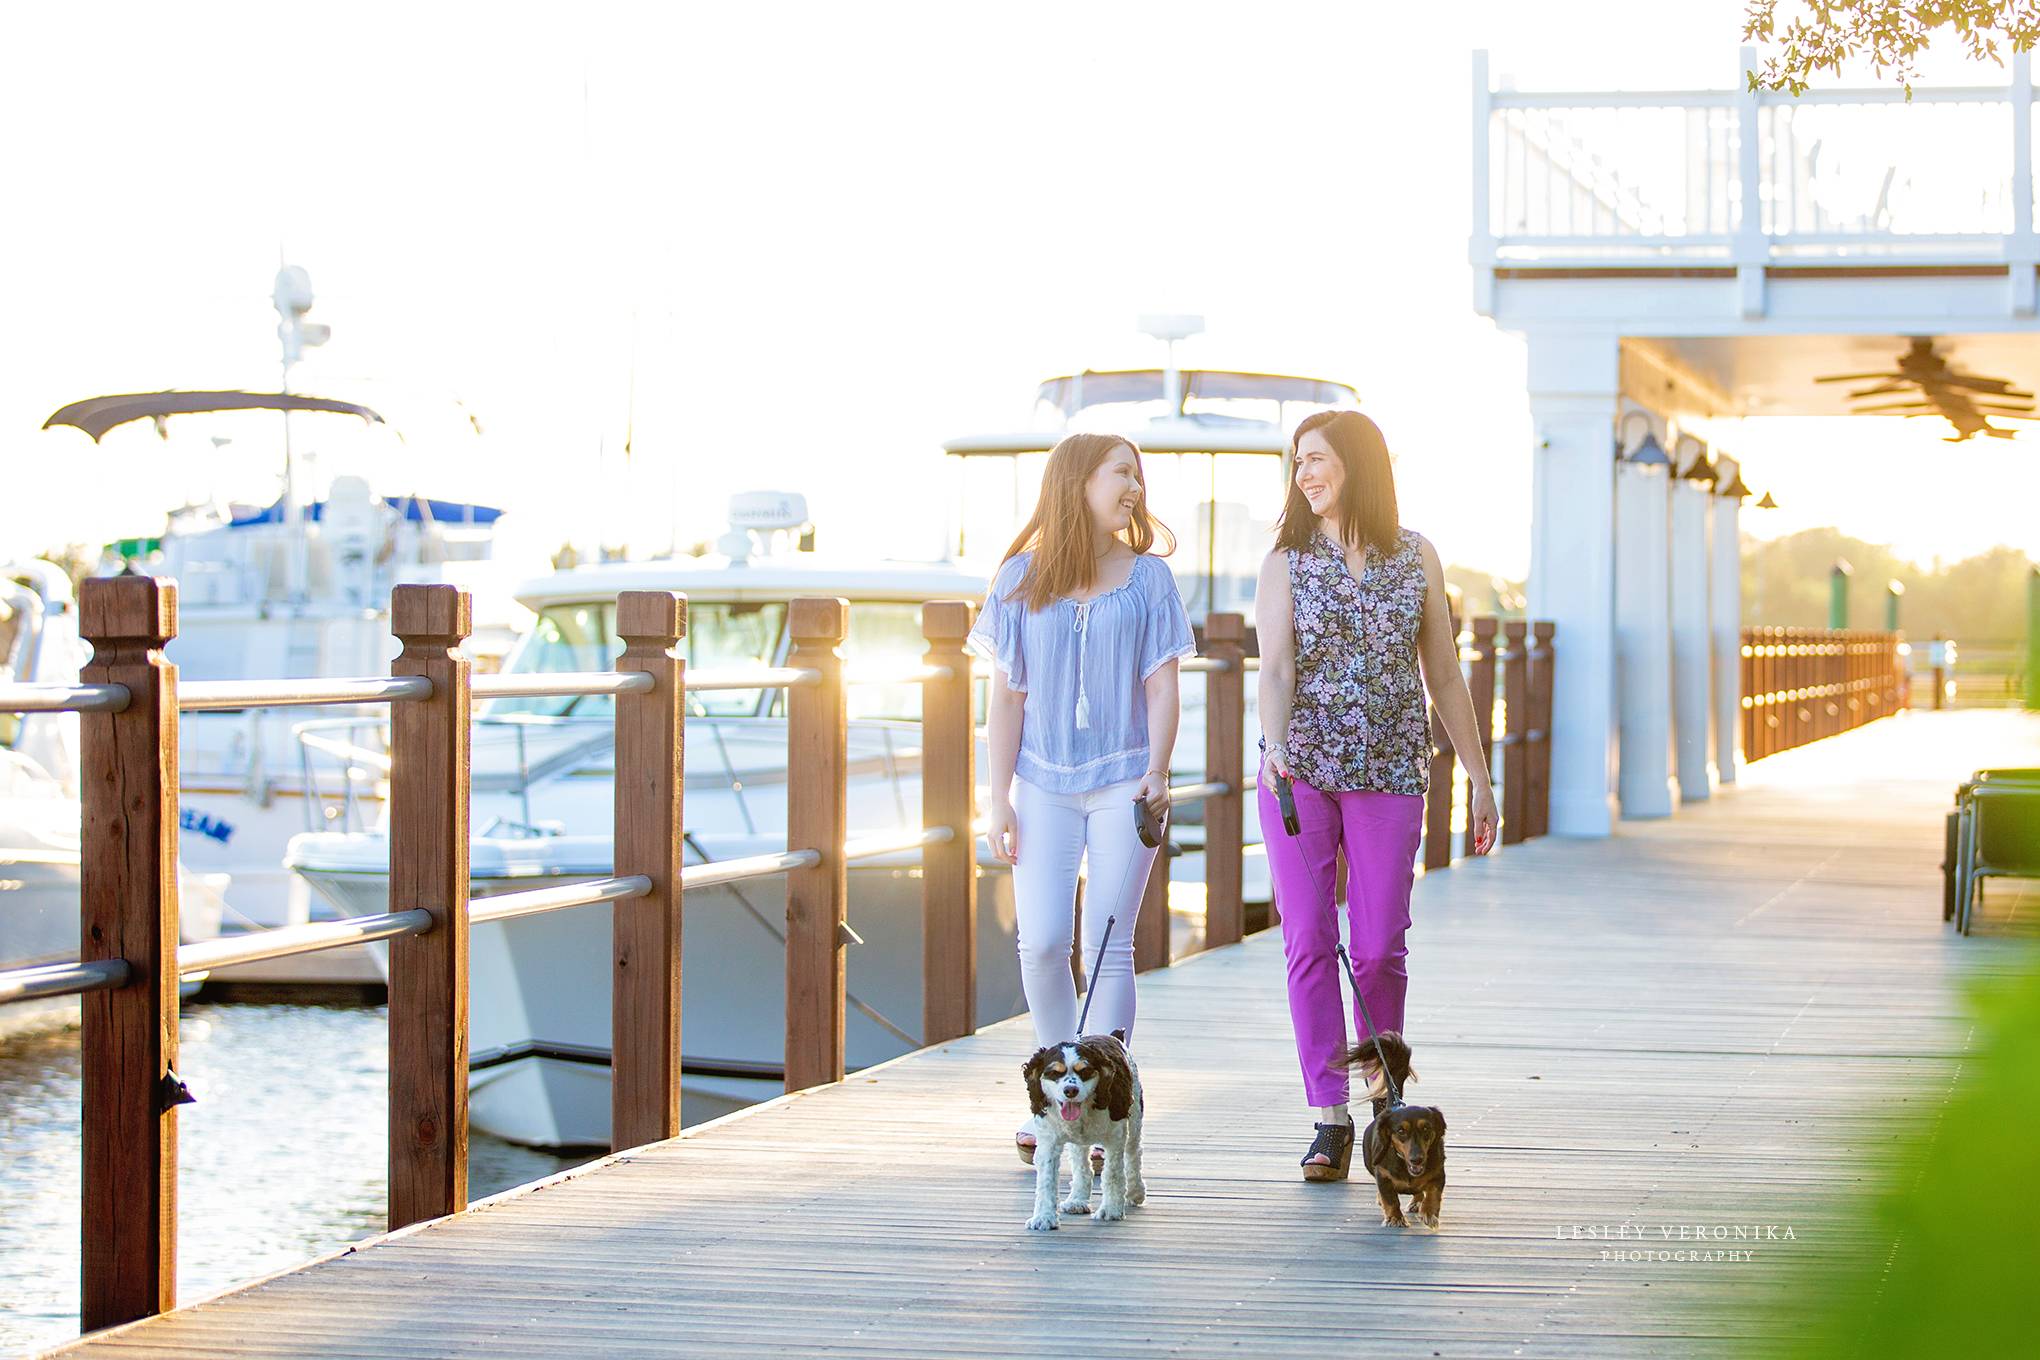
(1091, 982)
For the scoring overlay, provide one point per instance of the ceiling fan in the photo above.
(1964, 400)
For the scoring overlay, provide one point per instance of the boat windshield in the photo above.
(884, 637)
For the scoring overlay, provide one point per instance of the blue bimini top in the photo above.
(1084, 669)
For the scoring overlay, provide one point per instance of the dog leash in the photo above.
(1285, 796)
(1091, 982)
(1394, 1092)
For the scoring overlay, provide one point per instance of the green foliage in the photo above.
(1785, 584)
(1482, 594)
(1956, 1207)
(1888, 34)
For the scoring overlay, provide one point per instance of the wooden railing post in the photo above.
(1151, 923)
(1757, 743)
(817, 919)
(1441, 783)
(1754, 688)
(429, 869)
(128, 910)
(948, 798)
(1439, 789)
(1542, 667)
(1480, 682)
(1772, 717)
(1225, 709)
(1516, 765)
(644, 998)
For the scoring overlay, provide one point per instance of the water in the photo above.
(283, 1158)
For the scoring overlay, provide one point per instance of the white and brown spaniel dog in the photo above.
(1085, 1093)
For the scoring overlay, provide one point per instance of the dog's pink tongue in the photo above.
(1070, 1112)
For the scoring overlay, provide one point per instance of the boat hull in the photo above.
(539, 992)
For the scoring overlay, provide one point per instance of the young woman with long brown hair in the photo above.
(1354, 627)
(1084, 627)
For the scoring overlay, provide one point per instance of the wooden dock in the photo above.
(1712, 1021)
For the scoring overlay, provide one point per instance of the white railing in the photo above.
(1668, 178)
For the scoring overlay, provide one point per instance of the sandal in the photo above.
(1335, 1143)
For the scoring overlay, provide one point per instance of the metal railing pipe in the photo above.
(752, 677)
(289, 941)
(895, 675)
(749, 866)
(64, 698)
(892, 843)
(211, 696)
(537, 901)
(557, 684)
(73, 978)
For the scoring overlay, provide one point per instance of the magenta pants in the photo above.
(1379, 833)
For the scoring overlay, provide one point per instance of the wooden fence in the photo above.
(1803, 684)
(1518, 653)
(130, 960)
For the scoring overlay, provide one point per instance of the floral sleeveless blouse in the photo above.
(1360, 718)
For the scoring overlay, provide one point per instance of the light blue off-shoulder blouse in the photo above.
(1084, 669)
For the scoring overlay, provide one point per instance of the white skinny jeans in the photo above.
(1056, 831)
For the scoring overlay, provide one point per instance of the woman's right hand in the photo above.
(1002, 831)
(1276, 760)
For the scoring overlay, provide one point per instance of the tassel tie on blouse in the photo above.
(1083, 699)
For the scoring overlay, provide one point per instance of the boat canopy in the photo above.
(716, 579)
(1078, 391)
(96, 415)
(417, 509)
(1200, 434)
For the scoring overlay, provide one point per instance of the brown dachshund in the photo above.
(1404, 1150)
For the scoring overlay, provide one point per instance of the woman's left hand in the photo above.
(1483, 819)
(1154, 791)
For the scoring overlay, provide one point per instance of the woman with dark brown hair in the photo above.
(1084, 626)
(1354, 629)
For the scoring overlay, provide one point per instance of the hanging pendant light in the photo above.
(1650, 453)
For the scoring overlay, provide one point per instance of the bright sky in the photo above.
(782, 245)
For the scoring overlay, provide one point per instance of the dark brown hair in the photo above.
(1059, 533)
(1366, 499)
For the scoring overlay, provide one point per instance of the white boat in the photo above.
(296, 589)
(39, 811)
(262, 598)
(1212, 446)
(544, 803)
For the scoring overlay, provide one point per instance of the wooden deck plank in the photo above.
(1704, 1021)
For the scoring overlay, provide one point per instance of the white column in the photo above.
(1643, 642)
(1725, 618)
(1573, 383)
(1751, 249)
(1692, 643)
(1480, 245)
(2022, 248)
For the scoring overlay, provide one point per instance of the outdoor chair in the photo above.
(1993, 832)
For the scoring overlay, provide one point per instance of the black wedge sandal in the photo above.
(1335, 1142)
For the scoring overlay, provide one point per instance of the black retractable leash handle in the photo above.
(1091, 982)
(1285, 797)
